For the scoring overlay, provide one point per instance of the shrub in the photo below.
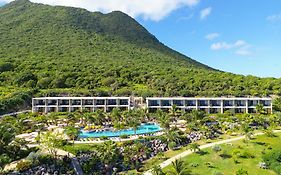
(123, 136)
(246, 155)
(23, 166)
(172, 145)
(216, 148)
(273, 159)
(241, 172)
(103, 137)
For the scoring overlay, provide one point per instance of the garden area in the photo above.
(258, 155)
(180, 131)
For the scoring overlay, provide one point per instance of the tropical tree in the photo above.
(50, 141)
(156, 170)
(71, 132)
(194, 147)
(109, 155)
(134, 123)
(260, 109)
(179, 168)
(174, 112)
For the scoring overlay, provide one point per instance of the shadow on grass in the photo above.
(225, 156)
(202, 153)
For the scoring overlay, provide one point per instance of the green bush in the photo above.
(23, 166)
(241, 172)
(103, 137)
(172, 145)
(273, 159)
(216, 148)
(123, 136)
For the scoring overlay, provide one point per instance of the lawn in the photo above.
(210, 161)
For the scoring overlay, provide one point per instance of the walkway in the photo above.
(15, 113)
(188, 152)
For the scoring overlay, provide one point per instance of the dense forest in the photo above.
(51, 50)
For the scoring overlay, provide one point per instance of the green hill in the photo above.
(61, 50)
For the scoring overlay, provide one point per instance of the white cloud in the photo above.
(205, 12)
(147, 9)
(212, 36)
(241, 46)
(225, 45)
(274, 18)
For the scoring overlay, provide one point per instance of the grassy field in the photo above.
(211, 162)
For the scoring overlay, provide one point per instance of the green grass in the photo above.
(227, 166)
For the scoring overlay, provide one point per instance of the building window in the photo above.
(190, 102)
(153, 103)
(166, 103)
(76, 102)
(52, 102)
(203, 102)
(253, 102)
(88, 102)
(178, 102)
(228, 103)
(100, 102)
(64, 102)
(215, 102)
(265, 102)
(40, 102)
(240, 103)
(111, 102)
(124, 102)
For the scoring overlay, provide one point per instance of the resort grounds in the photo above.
(58, 143)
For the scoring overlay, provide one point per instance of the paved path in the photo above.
(188, 152)
(15, 113)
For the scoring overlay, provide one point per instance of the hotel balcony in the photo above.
(178, 103)
(190, 102)
(203, 103)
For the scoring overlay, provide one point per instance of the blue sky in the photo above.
(239, 36)
(256, 23)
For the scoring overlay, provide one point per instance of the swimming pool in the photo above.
(143, 129)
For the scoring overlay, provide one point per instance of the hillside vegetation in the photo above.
(62, 50)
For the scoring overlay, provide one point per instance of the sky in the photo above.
(238, 36)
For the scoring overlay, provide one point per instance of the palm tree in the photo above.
(134, 123)
(179, 168)
(109, 154)
(71, 132)
(247, 131)
(174, 112)
(156, 170)
(194, 147)
(260, 109)
(163, 119)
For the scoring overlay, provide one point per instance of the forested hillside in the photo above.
(63, 50)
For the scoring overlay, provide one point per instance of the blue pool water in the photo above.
(143, 129)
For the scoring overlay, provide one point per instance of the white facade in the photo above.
(210, 105)
(71, 104)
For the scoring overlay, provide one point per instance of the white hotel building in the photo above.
(71, 104)
(209, 105)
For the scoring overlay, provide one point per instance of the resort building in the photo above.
(71, 104)
(210, 105)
